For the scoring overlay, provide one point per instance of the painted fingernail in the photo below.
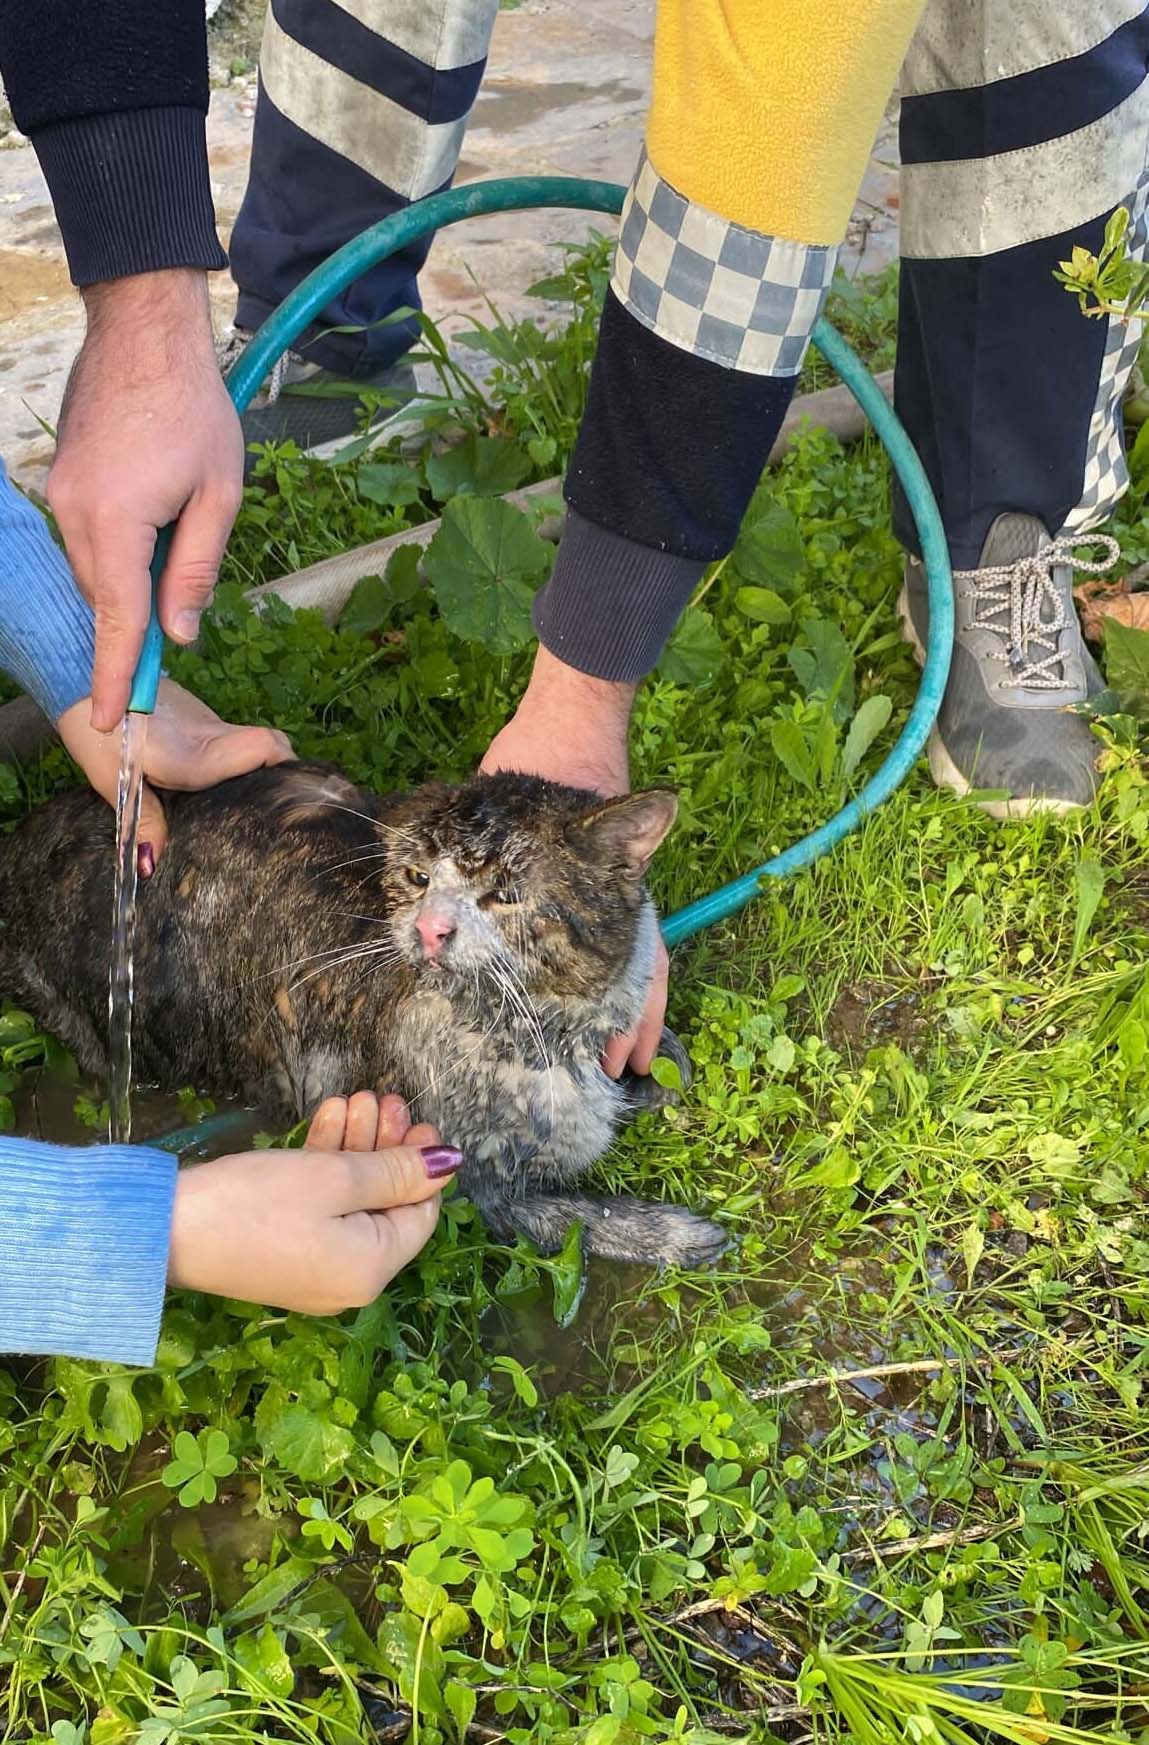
(440, 1160)
(145, 860)
(186, 626)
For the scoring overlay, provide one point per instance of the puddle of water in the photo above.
(45, 1105)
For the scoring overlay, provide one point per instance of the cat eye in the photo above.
(503, 898)
(420, 880)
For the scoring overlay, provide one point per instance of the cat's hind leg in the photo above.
(617, 1228)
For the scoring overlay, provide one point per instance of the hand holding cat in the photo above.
(570, 727)
(319, 1230)
(188, 746)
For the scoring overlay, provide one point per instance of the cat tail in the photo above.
(616, 1228)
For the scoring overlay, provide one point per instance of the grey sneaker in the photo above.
(312, 420)
(1019, 664)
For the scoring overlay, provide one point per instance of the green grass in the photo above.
(882, 1475)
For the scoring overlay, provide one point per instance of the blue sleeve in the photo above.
(47, 637)
(84, 1238)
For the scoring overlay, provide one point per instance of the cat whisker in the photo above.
(295, 963)
(507, 977)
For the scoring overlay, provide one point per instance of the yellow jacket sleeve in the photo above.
(764, 111)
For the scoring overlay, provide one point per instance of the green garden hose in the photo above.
(512, 194)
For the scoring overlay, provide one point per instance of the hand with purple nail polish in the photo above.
(318, 1230)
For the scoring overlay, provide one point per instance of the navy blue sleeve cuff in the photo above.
(132, 192)
(611, 603)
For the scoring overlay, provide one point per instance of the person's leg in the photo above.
(1013, 397)
(362, 109)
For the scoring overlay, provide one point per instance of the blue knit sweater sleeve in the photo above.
(84, 1237)
(84, 1232)
(46, 627)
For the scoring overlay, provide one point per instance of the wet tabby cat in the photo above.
(472, 947)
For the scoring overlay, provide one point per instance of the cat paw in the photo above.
(642, 1091)
(653, 1235)
(690, 1241)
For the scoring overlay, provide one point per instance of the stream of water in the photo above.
(128, 798)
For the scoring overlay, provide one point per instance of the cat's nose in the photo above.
(434, 930)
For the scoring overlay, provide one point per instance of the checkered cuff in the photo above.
(713, 288)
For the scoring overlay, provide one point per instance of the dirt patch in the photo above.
(28, 279)
(870, 1014)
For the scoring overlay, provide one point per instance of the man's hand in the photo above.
(147, 434)
(319, 1230)
(188, 746)
(572, 728)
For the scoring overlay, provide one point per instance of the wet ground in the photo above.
(565, 93)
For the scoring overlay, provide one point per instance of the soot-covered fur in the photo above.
(470, 947)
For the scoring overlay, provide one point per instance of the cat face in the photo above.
(513, 880)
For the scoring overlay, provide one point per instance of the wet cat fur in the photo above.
(278, 959)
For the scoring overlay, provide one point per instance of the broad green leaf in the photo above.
(826, 668)
(484, 565)
(781, 1054)
(695, 651)
(265, 1663)
(769, 546)
(864, 729)
(1089, 880)
(788, 743)
(667, 1073)
(763, 605)
(368, 608)
(1127, 666)
(120, 1418)
(1055, 1154)
(310, 1446)
(405, 1647)
(568, 1277)
(390, 483)
(839, 1169)
(481, 466)
(461, 1702)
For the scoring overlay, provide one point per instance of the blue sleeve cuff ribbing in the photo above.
(47, 634)
(84, 1239)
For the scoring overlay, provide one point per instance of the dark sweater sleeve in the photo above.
(113, 95)
(669, 452)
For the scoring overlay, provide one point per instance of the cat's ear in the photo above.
(625, 832)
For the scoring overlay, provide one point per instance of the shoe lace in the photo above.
(1029, 610)
(230, 348)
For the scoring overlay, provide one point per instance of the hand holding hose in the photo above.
(147, 436)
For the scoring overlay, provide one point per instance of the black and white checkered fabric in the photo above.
(714, 288)
(1106, 474)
